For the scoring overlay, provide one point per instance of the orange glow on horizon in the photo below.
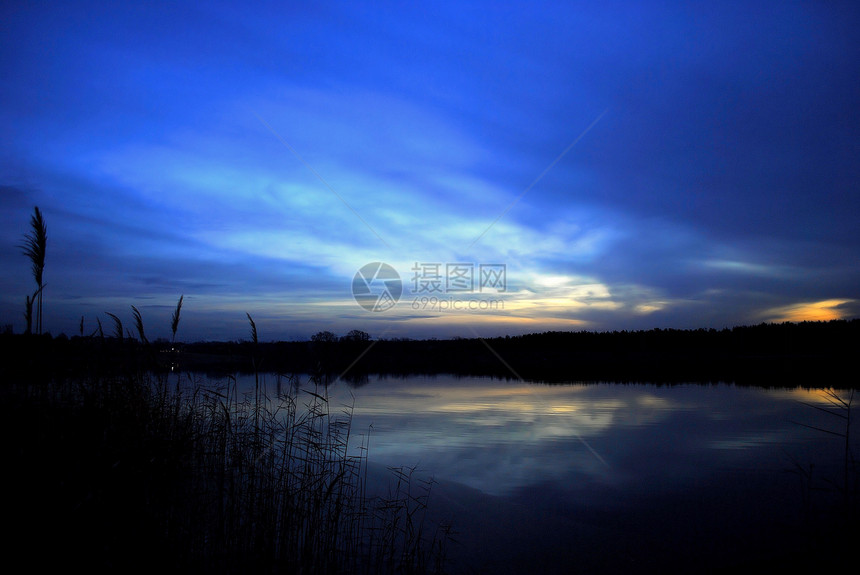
(825, 310)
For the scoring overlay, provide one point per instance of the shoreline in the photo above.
(787, 354)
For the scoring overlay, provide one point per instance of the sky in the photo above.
(517, 167)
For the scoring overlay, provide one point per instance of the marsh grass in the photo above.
(35, 247)
(831, 499)
(165, 470)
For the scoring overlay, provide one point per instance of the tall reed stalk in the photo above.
(35, 247)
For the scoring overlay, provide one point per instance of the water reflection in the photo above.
(610, 477)
(500, 437)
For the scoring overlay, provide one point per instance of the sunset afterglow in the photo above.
(632, 165)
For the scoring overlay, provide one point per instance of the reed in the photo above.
(35, 248)
(168, 470)
(829, 499)
(117, 326)
(174, 319)
(138, 324)
(848, 486)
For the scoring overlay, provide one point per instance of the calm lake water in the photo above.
(606, 477)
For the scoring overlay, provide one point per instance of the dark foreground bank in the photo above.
(145, 472)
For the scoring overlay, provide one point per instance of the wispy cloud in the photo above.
(717, 190)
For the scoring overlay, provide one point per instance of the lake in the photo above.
(608, 477)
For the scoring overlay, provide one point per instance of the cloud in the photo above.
(254, 159)
(825, 310)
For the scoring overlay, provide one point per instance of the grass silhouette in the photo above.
(126, 466)
(840, 496)
(35, 247)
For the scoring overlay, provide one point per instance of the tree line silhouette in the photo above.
(758, 354)
(804, 352)
(807, 353)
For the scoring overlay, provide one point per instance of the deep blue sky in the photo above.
(253, 158)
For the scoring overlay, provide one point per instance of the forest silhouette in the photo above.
(804, 353)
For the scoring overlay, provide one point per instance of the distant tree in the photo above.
(356, 335)
(324, 351)
(324, 337)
